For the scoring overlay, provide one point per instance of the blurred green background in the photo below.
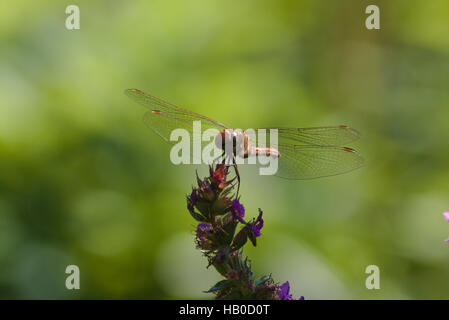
(83, 181)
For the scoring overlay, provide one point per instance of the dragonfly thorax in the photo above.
(233, 142)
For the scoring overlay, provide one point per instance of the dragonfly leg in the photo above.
(237, 174)
(236, 170)
(219, 157)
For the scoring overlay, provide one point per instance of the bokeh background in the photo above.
(83, 181)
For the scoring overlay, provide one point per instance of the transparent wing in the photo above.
(317, 136)
(307, 153)
(174, 115)
(164, 124)
(165, 117)
(308, 162)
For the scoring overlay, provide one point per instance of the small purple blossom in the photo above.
(446, 216)
(238, 208)
(193, 197)
(254, 226)
(284, 291)
(257, 225)
(202, 229)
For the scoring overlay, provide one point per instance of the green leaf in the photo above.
(220, 285)
(220, 206)
(262, 280)
(197, 216)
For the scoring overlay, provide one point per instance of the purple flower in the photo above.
(284, 291)
(254, 226)
(251, 229)
(193, 197)
(257, 225)
(222, 231)
(446, 216)
(238, 209)
(202, 229)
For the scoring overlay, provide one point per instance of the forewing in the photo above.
(161, 107)
(317, 136)
(163, 124)
(165, 117)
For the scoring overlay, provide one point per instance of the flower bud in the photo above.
(220, 262)
(232, 274)
(240, 239)
(204, 233)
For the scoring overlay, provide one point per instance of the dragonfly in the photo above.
(303, 153)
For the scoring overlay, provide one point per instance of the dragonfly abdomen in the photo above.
(267, 152)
